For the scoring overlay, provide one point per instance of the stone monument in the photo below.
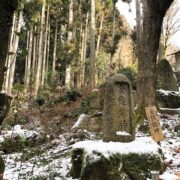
(165, 77)
(117, 113)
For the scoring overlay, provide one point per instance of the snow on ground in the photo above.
(17, 131)
(55, 162)
(167, 176)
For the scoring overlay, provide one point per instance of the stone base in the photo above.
(89, 164)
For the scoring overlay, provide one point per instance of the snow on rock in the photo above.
(122, 133)
(143, 145)
(166, 93)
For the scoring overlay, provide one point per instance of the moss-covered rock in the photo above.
(97, 166)
(138, 166)
(2, 166)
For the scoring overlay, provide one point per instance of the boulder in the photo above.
(90, 123)
(168, 99)
(108, 162)
(165, 76)
(5, 101)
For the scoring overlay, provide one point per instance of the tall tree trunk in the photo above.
(28, 61)
(40, 53)
(113, 34)
(80, 65)
(12, 59)
(68, 77)
(34, 58)
(48, 49)
(7, 9)
(84, 50)
(153, 13)
(92, 47)
(55, 51)
(45, 48)
(139, 24)
(99, 35)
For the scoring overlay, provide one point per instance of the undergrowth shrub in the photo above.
(67, 96)
(131, 73)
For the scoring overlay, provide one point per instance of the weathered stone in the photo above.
(168, 99)
(117, 113)
(2, 167)
(90, 123)
(95, 100)
(178, 77)
(165, 77)
(177, 128)
(96, 166)
(5, 101)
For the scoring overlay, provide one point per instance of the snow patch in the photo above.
(17, 131)
(122, 133)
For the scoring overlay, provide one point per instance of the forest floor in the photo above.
(36, 143)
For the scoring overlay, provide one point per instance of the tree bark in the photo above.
(40, 53)
(28, 61)
(68, 77)
(9, 58)
(92, 47)
(34, 58)
(153, 13)
(7, 9)
(54, 51)
(45, 49)
(48, 50)
(99, 35)
(9, 79)
(84, 50)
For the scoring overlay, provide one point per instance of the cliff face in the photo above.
(124, 55)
